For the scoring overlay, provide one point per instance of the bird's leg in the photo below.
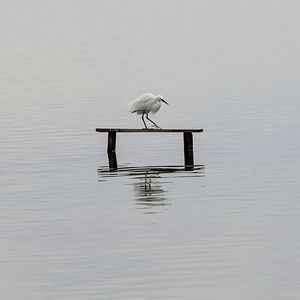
(144, 120)
(147, 117)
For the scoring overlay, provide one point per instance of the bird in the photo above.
(145, 104)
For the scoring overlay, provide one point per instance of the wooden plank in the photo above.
(147, 130)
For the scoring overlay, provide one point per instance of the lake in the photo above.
(71, 229)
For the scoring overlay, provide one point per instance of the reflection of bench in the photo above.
(187, 138)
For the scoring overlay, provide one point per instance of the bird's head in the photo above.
(160, 98)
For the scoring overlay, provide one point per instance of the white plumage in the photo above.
(145, 104)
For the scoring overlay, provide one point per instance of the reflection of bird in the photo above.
(145, 104)
(148, 192)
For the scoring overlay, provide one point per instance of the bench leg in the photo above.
(111, 151)
(188, 150)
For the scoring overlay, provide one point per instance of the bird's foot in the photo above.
(156, 127)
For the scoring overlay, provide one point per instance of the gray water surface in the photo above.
(229, 229)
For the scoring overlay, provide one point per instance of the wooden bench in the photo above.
(187, 138)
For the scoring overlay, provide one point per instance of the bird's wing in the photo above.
(142, 103)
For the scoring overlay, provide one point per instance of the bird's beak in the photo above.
(164, 101)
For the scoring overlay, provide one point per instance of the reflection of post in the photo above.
(188, 150)
(111, 150)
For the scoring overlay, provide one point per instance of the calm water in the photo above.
(227, 230)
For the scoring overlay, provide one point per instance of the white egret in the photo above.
(145, 104)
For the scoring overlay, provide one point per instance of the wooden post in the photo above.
(188, 150)
(111, 150)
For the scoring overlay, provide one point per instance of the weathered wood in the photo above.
(187, 138)
(188, 150)
(111, 150)
(146, 130)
